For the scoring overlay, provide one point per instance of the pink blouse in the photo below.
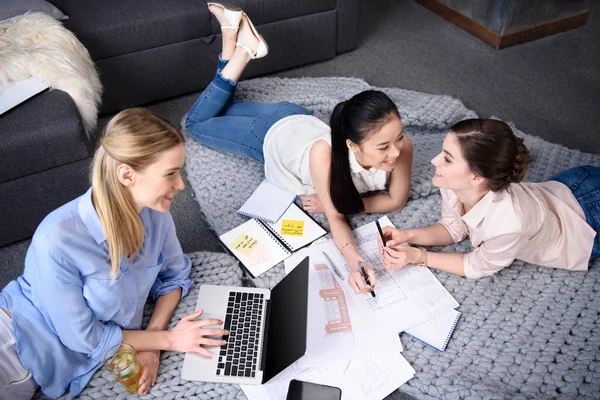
(540, 223)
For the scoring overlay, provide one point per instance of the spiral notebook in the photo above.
(437, 331)
(261, 245)
(267, 203)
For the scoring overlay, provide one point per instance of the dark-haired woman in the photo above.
(553, 223)
(365, 149)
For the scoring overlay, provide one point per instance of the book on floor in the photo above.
(261, 245)
(13, 94)
(267, 203)
(437, 331)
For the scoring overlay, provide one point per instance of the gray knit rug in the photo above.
(526, 332)
(209, 268)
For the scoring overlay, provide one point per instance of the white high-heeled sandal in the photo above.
(233, 15)
(263, 48)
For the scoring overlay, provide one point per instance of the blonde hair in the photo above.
(134, 137)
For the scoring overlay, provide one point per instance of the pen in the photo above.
(337, 272)
(380, 232)
(366, 278)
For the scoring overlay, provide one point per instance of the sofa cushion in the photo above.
(42, 133)
(137, 78)
(112, 28)
(12, 8)
(26, 201)
(266, 11)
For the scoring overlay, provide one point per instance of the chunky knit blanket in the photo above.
(526, 332)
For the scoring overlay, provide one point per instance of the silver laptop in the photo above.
(267, 330)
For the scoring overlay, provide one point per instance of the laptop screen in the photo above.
(286, 335)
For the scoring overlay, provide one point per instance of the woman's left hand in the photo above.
(149, 361)
(311, 203)
(399, 256)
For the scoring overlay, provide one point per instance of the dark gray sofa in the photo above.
(149, 50)
(145, 51)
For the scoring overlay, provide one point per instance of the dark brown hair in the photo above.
(492, 151)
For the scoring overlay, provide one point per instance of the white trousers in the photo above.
(15, 381)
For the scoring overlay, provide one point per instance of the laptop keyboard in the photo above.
(239, 356)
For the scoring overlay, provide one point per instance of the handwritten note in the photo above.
(260, 255)
(292, 227)
(244, 243)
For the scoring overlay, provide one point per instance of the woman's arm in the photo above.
(489, 257)
(320, 162)
(396, 254)
(171, 284)
(63, 306)
(188, 336)
(400, 176)
(175, 272)
(398, 257)
(434, 235)
(163, 310)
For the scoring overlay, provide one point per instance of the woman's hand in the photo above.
(312, 203)
(191, 335)
(149, 361)
(400, 255)
(357, 281)
(393, 237)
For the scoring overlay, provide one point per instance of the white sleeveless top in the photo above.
(287, 151)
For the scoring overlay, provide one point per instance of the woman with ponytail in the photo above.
(479, 173)
(92, 264)
(365, 150)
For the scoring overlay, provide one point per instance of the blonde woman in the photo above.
(93, 263)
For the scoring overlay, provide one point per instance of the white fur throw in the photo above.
(35, 44)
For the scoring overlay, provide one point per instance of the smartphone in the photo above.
(300, 390)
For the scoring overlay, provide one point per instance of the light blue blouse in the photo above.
(67, 312)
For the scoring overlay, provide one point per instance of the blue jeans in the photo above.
(584, 182)
(216, 121)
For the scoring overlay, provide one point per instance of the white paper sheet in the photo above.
(17, 92)
(268, 202)
(405, 297)
(341, 350)
(362, 374)
(333, 321)
(329, 322)
(292, 261)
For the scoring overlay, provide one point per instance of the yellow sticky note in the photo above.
(244, 244)
(292, 227)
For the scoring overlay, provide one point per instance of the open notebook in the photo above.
(437, 331)
(267, 203)
(261, 245)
